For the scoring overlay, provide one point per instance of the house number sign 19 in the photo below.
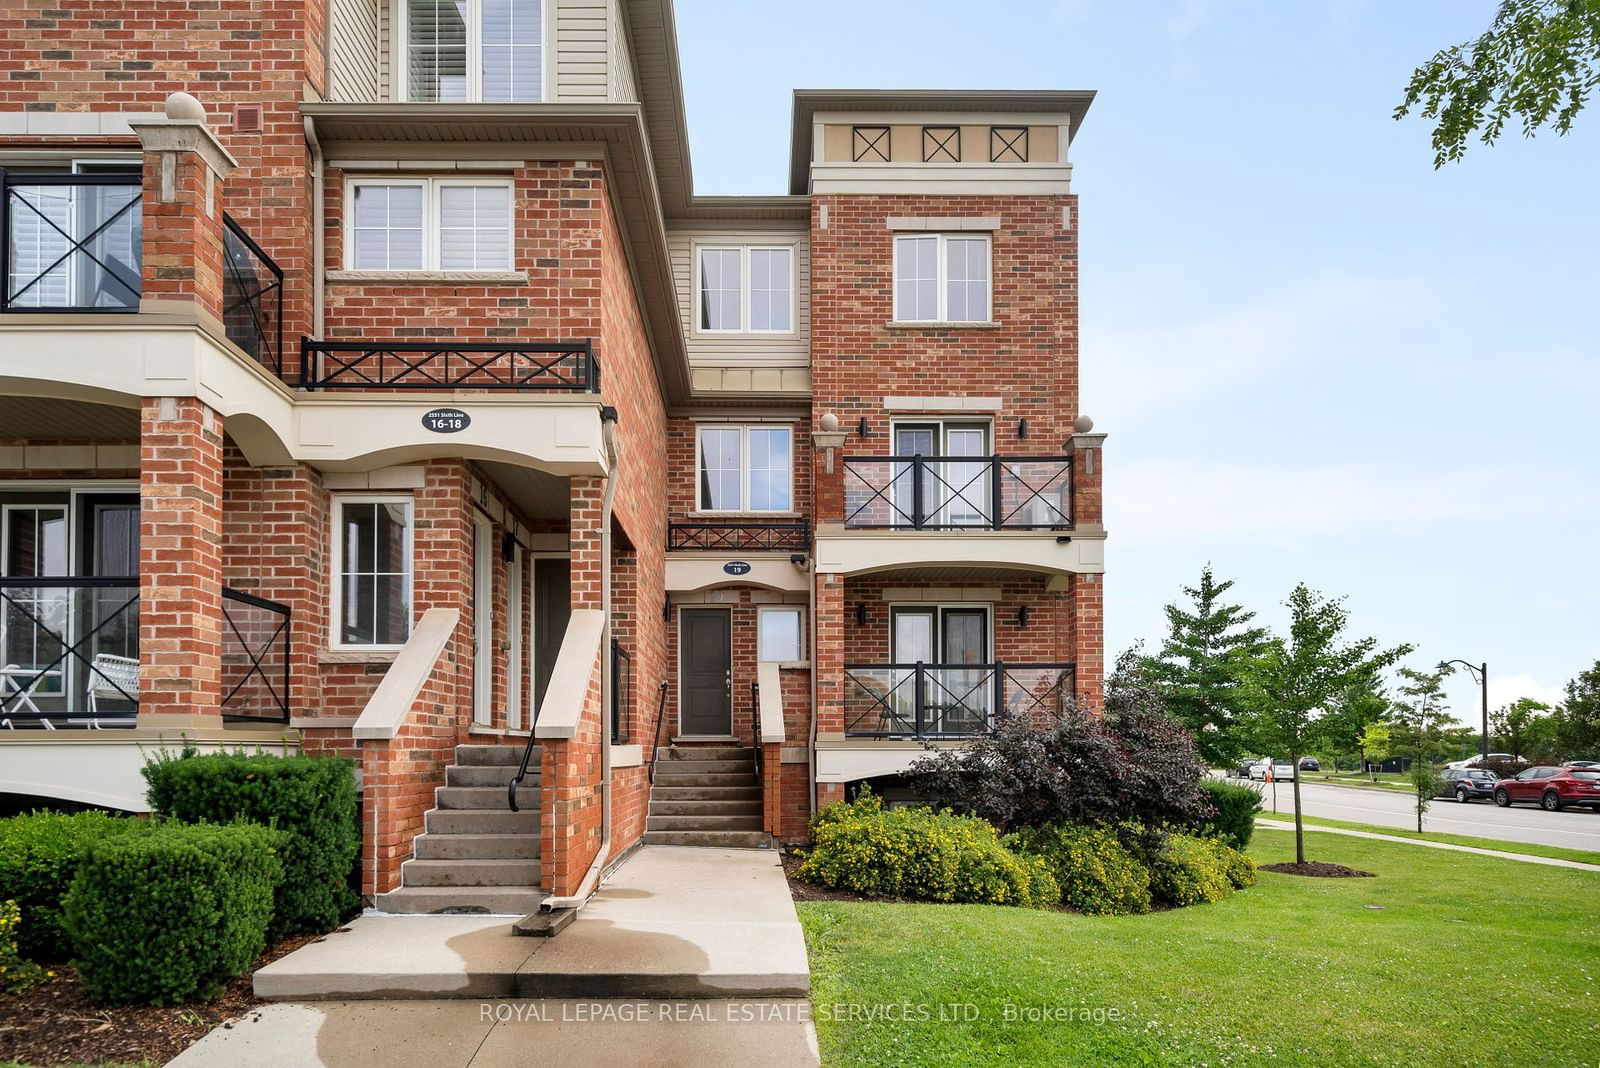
(446, 420)
(736, 567)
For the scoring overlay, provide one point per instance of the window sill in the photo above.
(429, 277)
(357, 656)
(898, 324)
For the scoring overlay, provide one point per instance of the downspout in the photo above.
(811, 749)
(319, 243)
(591, 878)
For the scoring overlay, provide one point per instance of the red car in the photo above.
(1552, 788)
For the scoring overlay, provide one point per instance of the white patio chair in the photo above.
(112, 677)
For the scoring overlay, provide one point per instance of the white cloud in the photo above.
(1503, 689)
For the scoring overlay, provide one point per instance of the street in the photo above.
(1572, 828)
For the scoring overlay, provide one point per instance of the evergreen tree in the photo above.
(1201, 663)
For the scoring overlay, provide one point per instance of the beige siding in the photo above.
(620, 58)
(745, 350)
(582, 59)
(386, 87)
(354, 47)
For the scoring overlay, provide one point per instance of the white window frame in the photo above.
(799, 610)
(744, 250)
(941, 259)
(400, 82)
(336, 566)
(430, 222)
(744, 468)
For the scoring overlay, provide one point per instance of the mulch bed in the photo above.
(56, 1023)
(1316, 869)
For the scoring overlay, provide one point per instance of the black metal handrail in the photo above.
(621, 690)
(661, 717)
(81, 634)
(254, 643)
(958, 492)
(922, 700)
(252, 296)
(72, 223)
(755, 720)
(439, 365)
(739, 535)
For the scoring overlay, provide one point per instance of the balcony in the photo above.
(568, 367)
(252, 297)
(69, 654)
(950, 701)
(953, 493)
(792, 536)
(72, 242)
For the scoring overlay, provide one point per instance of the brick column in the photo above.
(1088, 639)
(827, 469)
(184, 166)
(180, 563)
(829, 666)
(1088, 451)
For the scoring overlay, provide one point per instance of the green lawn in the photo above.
(1465, 950)
(1585, 856)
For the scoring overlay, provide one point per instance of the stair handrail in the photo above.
(755, 717)
(522, 770)
(655, 746)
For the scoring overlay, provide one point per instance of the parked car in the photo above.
(1553, 788)
(1310, 764)
(1282, 770)
(1585, 765)
(1468, 784)
(1242, 771)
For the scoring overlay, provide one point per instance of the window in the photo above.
(429, 225)
(372, 564)
(778, 634)
(745, 468)
(745, 289)
(490, 50)
(941, 278)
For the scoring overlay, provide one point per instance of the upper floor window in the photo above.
(744, 468)
(469, 50)
(423, 224)
(745, 289)
(941, 278)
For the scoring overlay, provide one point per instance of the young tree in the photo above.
(1294, 679)
(1200, 665)
(1358, 707)
(1422, 714)
(1539, 60)
(1374, 744)
(1513, 723)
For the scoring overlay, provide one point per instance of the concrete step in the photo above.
(749, 822)
(461, 900)
(480, 821)
(708, 752)
(470, 873)
(738, 807)
(732, 778)
(705, 793)
(487, 775)
(476, 846)
(706, 767)
(495, 755)
(485, 797)
(724, 839)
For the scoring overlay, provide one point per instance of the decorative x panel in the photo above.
(869, 144)
(1008, 144)
(941, 144)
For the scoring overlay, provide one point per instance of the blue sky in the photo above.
(1317, 357)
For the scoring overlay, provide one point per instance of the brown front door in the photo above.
(552, 607)
(705, 672)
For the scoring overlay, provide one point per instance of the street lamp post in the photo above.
(1480, 675)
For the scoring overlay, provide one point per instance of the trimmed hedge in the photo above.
(1235, 809)
(39, 855)
(918, 853)
(1096, 873)
(172, 915)
(312, 799)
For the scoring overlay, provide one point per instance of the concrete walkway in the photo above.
(1554, 862)
(491, 1034)
(672, 922)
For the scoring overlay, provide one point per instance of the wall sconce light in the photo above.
(1022, 616)
(1022, 429)
(861, 428)
(861, 614)
(508, 546)
(666, 609)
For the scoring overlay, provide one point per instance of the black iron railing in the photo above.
(621, 692)
(255, 658)
(69, 652)
(755, 719)
(436, 365)
(661, 717)
(252, 296)
(950, 700)
(737, 535)
(70, 242)
(958, 492)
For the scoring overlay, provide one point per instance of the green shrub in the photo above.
(313, 799)
(1235, 809)
(1187, 870)
(15, 973)
(1240, 868)
(918, 853)
(1095, 871)
(39, 855)
(172, 915)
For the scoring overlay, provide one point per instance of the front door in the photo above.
(705, 672)
(482, 618)
(552, 608)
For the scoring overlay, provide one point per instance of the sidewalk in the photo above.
(1554, 862)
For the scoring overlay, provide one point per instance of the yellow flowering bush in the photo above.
(15, 973)
(1096, 873)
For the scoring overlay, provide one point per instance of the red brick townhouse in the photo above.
(373, 381)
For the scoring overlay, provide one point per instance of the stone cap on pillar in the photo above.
(185, 130)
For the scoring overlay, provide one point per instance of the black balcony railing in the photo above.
(958, 492)
(442, 365)
(950, 700)
(69, 652)
(252, 296)
(70, 242)
(740, 536)
(255, 658)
